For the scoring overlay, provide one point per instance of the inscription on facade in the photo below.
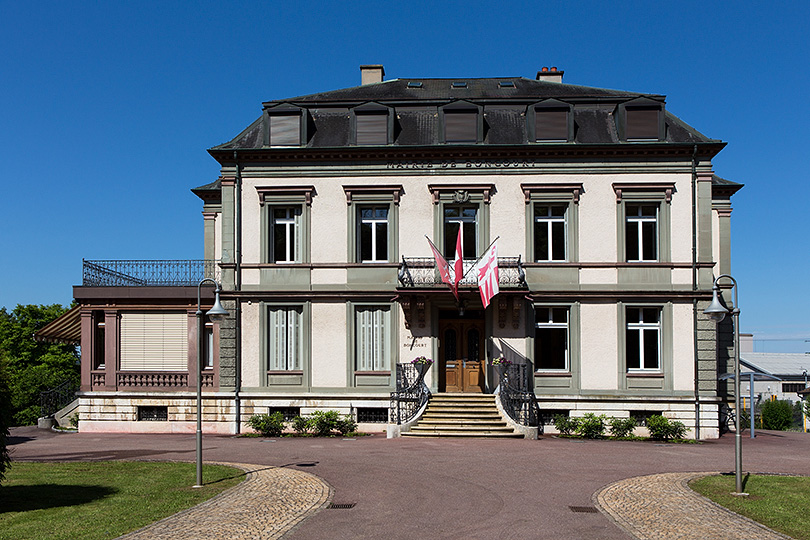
(460, 164)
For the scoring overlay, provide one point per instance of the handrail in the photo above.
(148, 273)
(411, 394)
(55, 398)
(516, 396)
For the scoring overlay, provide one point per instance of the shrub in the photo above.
(323, 422)
(565, 424)
(301, 425)
(777, 415)
(663, 429)
(622, 427)
(591, 426)
(269, 425)
(346, 425)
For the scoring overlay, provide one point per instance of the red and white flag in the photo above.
(458, 266)
(488, 274)
(444, 268)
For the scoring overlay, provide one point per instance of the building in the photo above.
(609, 220)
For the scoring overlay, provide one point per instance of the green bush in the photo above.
(301, 425)
(269, 425)
(663, 429)
(346, 425)
(323, 422)
(777, 415)
(591, 426)
(622, 427)
(566, 425)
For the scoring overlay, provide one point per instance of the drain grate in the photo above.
(342, 506)
(583, 509)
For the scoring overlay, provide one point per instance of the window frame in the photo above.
(285, 110)
(135, 333)
(658, 195)
(549, 105)
(553, 195)
(647, 381)
(367, 110)
(566, 369)
(292, 379)
(640, 347)
(375, 378)
(271, 198)
(478, 195)
(640, 104)
(365, 196)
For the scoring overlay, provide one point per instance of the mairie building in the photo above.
(609, 220)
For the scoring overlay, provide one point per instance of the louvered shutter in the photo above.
(372, 330)
(551, 124)
(642, 123)
(284, 343)
(460, 126)
(372, 129)
(285, 130)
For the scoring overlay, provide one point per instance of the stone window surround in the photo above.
(270, 197)
(375, 195)
(659, 194)
(567, 194)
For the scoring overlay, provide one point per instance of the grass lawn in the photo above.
(93, 501)
(778, 502)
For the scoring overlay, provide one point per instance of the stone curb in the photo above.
(268, 504)
(662, 507)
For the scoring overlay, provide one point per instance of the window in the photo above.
(372, 338)
(99, 341)
(373, 233)
(792, 387)
(549, 232)
(153, 414)
(285, 130)
(288, 412)
(643, 338)
(641, 232)
(551, 338)
(286, 221)
(208, 339)
(372, 128)
(156, 341)
(465, 218)
(372, 415)
(551, 124)
(285, 338)
(642, 123)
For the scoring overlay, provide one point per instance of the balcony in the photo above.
(421, 272)
(148, 273)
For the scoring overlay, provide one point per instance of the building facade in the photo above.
(609, 224)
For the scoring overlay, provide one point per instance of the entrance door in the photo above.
(461, 346)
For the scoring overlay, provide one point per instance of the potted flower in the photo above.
(501, 364)
(422, 364)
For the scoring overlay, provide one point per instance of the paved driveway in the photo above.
(445, 488)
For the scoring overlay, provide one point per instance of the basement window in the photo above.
(153, 414)
(372, 415)
(288, 412)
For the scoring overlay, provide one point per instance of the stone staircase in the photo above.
(462, 415)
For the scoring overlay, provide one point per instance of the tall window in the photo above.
(372, 339)
(285, 237)
(550, 232)
(208, 337)
(285, 338)
(465, 218)
(641, 232)
(373, 233)
(551, 339)
(643, 339)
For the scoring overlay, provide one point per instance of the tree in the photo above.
(33, 366)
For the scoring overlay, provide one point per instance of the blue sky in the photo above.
(108, 108)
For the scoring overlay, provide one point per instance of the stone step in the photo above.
(455, 421)
(451, 409)
(461, 416)
(468, 434)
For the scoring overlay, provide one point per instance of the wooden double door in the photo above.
(461, 355)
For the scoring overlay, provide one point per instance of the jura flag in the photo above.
(444, 268)
(488, 275)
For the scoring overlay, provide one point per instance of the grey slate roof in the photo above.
(776, 363)
(417, 118)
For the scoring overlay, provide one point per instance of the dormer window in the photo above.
(461, 123)
(552, 122)
(284, 125)
(372, 128)
(641, 120)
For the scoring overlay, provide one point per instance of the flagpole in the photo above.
(479, 258)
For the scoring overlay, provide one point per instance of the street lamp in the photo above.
(216, 314)
(717, 311)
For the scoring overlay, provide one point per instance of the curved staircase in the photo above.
(462, 415)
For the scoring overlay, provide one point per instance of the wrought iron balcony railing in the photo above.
(148, 273)
(422, 272)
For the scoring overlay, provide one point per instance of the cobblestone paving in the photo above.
(267, 505)
(661, 506)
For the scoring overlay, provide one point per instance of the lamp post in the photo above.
(717, 311)
(217, 313)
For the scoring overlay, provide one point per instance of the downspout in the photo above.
(237, 401)
(694, 292)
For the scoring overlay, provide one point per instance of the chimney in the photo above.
(371, 74)
(550, 75)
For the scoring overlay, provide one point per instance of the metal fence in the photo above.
(148, 273)
(422, 272)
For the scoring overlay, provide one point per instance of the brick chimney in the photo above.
(550, 75)
(371, 74)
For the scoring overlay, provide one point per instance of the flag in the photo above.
(488, 274)
(444, 268)
(458, 266)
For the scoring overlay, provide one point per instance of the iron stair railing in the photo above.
(55, 398)
(517, 397)
(411, 394)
